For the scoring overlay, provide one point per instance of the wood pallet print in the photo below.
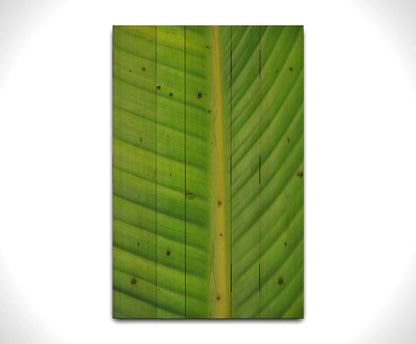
(208, 172)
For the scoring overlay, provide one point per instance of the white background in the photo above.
(55, 171)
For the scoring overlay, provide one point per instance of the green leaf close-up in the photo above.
(208, 172)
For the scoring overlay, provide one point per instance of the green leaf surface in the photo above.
(208, 172)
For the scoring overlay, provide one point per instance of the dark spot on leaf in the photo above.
(189, 195)
(133, 281)
(170, 174)
(218, 298)
(277, 71)
(168, 253)
(285, 243)
(138, 244)
(199, 95)
(170, 94)
(290, 68)
(207, 47)
(141, 139)
(219, 203)
(143, 69)
(300, 174)
(129, 70)
(220, 234)
(288, 139)
(158, 87)
(209, 111)
(280, 281)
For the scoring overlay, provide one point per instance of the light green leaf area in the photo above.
(208, 172)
